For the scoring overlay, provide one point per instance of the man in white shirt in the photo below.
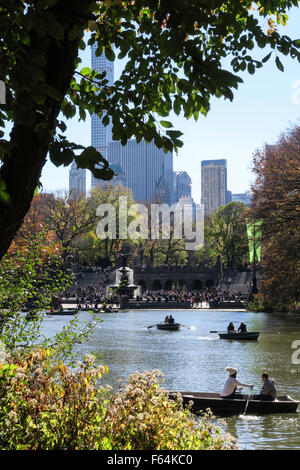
(231, 384)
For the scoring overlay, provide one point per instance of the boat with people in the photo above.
(201, 401)
(63, 312)
(249, 335)
(168, 326)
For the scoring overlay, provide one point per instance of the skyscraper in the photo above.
(147, 168)
(77, 181)
(214, 192)
(183, 185)
(101, 135)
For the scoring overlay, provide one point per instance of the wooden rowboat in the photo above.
(250, 335)
(168, 326)
(63, 312)
(221, 406)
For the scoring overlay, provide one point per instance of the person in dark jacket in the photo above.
(242, 328)
(268, 391)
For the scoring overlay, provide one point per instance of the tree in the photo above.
(70, 218)
(276, 203)
(109, 244)
(174, 51)
(35, 223)
(226, 234)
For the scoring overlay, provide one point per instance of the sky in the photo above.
(264, 106)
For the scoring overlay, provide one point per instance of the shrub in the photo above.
(47, 406)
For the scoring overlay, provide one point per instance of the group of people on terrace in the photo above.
(92, 295)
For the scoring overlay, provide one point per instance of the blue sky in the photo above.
(265, 105)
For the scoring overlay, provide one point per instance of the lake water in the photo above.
(195, 359)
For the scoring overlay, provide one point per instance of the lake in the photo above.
(195, 359)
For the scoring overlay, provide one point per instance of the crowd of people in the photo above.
(195, 298)
(91, 295)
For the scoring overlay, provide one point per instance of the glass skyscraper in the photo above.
(101, 135)
(146, 168)
(142, 167)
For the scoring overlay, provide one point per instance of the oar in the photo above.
(186, 326)
(151, 326)
(248, 401)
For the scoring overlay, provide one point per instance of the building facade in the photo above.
(101, 135)
(183, 185)
(214, 191)
(148, 170)
(77, 181)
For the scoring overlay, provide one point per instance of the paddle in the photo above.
(213, 331)
(248, 401)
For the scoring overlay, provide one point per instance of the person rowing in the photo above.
(230, 328)
(231, 385)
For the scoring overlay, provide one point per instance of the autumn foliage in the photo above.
(276, 201)
(47, 406)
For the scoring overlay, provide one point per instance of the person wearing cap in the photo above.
(231, 385)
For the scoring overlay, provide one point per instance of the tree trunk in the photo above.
(21, 170)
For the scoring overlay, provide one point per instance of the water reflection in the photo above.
(193, 359)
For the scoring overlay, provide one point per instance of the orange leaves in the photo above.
(276, 201)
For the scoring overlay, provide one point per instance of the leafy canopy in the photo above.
(174, 51)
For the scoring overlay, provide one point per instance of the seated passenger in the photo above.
(242, 328)
(268, 391)
(230, 386)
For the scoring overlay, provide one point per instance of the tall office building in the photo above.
(183, 185)
(214, 192)
(148, 170)
(101, 135)
(77, 181)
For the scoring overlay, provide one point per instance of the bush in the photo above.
(47, 406)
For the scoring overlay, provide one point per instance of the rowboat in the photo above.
(168, 326)
(221, 406)
(63, 312)
(250, 335)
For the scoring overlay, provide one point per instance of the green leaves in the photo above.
(4, 195)
(166, 124)
(93, 160)
(266, 58)
(279, 64)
